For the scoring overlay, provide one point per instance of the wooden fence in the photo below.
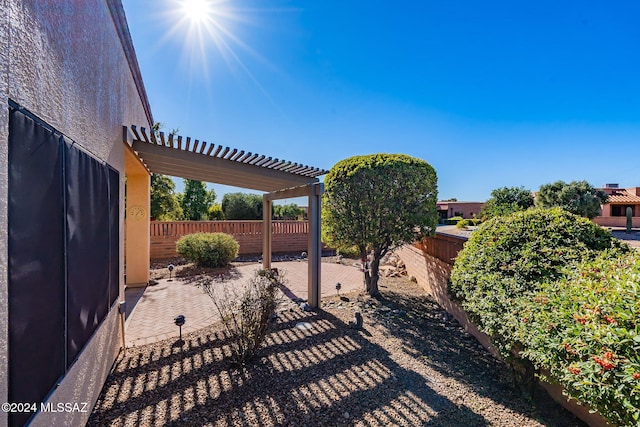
(287, 236)
(442, 246)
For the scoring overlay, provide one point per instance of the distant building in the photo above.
(464, 209)
(614, 212)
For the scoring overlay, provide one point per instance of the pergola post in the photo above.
(314, 192)
(315, 244)
(266, 232)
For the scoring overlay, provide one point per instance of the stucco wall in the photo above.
(64, 62)
(4, 185)
(468, 209)
(616, 221)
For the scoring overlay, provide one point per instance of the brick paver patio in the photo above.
(152, 317)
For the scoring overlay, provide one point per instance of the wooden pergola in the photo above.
(200, 160)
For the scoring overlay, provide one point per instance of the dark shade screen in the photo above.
(36, 262)
(114, 235)
(88, 253)
(64, 255)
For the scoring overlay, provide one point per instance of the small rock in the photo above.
(346, 415)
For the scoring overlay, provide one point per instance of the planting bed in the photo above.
(412, 364)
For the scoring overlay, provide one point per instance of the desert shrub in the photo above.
(208, 249)
(462, 224)
(349, 252)
(246, 314)
(585, 331)
(509, 257)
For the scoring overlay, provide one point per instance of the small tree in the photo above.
(577, 197)
(164, 204)
(242, 206)
(196, 200)
(215, 212)
(378, 202)
(291, 211)
(506, 200)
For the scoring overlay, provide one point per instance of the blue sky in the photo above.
(491, 94)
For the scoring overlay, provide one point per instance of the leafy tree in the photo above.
(506, 200)
(291, 211)
(453, 199)
(378, 202)
(242, 206)
(196, 200)
(577, 197)
(215, 212)
(164, 204)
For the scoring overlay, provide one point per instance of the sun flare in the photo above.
(197, 11)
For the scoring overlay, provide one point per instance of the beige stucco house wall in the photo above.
(466, 210)
(72, 64)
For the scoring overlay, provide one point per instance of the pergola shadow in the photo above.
(327, 375)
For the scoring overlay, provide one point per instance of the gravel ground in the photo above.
(411, 364)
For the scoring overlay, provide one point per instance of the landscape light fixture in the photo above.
(170, 267)
(179, 320)
(338, 287)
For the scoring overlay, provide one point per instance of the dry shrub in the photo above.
(246, 313)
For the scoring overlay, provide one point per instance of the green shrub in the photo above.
(462, 224)
(349, 252)
(585, 330)
(246, 314)
(508, 258)
(215, 213)
(453, 220)
(208, 249)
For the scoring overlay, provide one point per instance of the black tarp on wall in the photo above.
(36, 262)
(114, 235)
(87, 202)
(63, 238)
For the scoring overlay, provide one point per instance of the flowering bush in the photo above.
(564, 294)
(585, 330)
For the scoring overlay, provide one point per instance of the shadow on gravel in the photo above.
(429, 332)
(327, 375)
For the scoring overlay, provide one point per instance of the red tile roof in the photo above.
(623, 196)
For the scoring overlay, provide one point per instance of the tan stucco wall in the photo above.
(4, 185)
(65, 63)
(468, 209)
(616, 221)
(138, 238)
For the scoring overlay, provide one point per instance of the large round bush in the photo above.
(208, 249)
(508, 257)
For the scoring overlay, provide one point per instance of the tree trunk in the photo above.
(371, 277)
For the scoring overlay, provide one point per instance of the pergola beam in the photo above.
(170, 161)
